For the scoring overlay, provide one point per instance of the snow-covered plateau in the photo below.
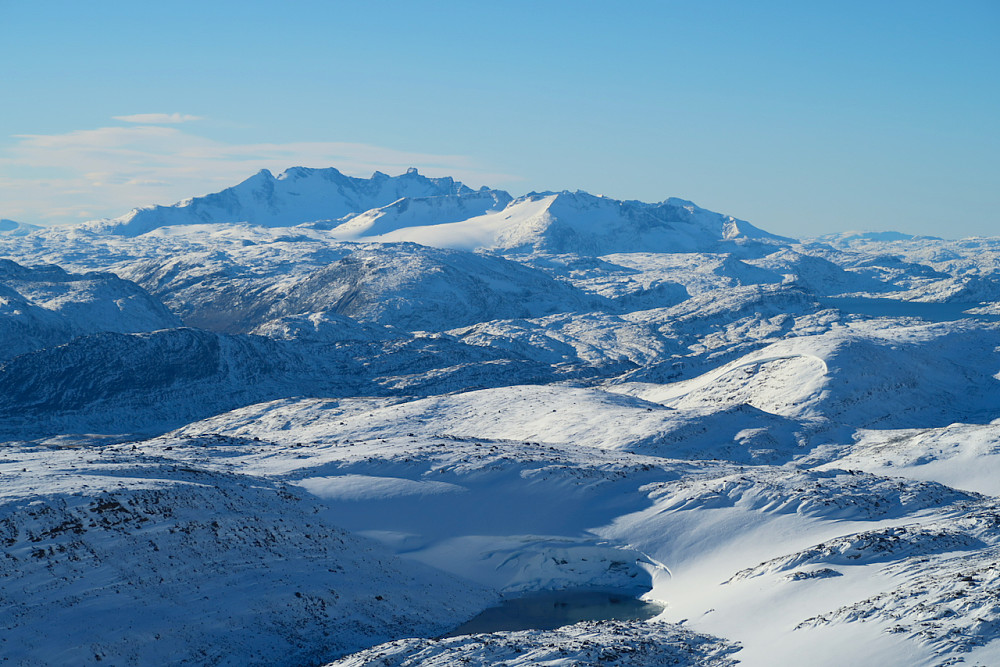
(315, 419)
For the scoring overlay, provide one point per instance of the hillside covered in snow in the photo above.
(316, 419)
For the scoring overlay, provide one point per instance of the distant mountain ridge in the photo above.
(15, 228)
(295, 196)
(442, 212)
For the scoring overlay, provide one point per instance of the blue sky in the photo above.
(804, 118)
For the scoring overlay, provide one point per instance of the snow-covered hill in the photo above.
(414, 287)
(46, 306)
(14, 228)
(866, 374)
(129, 383)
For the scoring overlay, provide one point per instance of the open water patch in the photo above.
(548, 610)
(886, 307)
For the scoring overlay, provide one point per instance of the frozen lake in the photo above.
(553, 609)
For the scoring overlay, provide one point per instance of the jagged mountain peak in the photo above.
(297, 195)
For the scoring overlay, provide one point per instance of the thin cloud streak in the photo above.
(158, 118)
(107, 171)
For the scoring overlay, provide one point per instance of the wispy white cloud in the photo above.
(104, 172)
(158, 118)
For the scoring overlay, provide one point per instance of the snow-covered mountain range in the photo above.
(442, 212)
(318, 418)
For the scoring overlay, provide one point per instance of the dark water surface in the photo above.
(932, 312)
(553, 609)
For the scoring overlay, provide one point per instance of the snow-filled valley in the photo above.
(315, 419)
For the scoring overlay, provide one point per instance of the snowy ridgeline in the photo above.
(316, 418)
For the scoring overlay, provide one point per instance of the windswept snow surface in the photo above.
(315, 418)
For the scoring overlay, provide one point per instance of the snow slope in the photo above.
(420, 212)
(213, 568)
(866, 374)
